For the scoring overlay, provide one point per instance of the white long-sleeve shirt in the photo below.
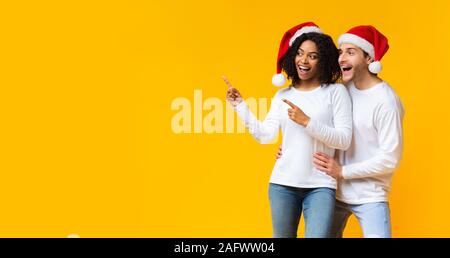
(329, 128)
(376, 146)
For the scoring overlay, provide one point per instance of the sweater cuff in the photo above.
(242, 111)
(312, 125)
(241, 106)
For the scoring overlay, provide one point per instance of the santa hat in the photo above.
(289, 37)
(370, 40)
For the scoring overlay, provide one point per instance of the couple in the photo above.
(340, 143)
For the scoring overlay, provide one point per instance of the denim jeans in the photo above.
(374, 219)
(287, 204)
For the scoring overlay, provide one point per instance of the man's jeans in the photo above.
(374, 219)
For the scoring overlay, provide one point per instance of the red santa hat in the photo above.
(370, 40)
(289, 37)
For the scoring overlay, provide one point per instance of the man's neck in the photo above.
(366, 81)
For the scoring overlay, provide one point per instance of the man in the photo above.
(377, 143)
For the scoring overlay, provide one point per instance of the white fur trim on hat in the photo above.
(278, 79)
(305, 29)
(357, 41)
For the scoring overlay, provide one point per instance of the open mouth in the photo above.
(304, 68)
(346, 68)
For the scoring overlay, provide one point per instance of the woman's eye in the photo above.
(313, 57)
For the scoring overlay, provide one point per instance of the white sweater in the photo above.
(329, 128)
(376, 146)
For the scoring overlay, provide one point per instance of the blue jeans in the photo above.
(374, 219)
(287, 204)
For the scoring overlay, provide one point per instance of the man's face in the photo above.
(353, 62)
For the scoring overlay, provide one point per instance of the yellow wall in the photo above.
(86, 90)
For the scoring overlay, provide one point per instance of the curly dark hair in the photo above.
(328, 66)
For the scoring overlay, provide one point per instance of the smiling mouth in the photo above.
(346, 68)
(304, 68)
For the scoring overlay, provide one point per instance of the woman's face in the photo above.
(307, 60)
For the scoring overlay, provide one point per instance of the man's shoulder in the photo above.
(387, 98)
(387, 94)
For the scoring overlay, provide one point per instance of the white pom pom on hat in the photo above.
(278, 79)
(369, 39)
(288, 39)
(375, 67)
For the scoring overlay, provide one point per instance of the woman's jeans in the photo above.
(287, 204)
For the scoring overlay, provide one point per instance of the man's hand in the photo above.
(296, 114)
(234, 97)
(279, 153)
(328, 165)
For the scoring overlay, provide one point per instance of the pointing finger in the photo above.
(289, 103)
(225, 79)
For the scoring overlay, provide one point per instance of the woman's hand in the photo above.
(296, 114)
(234, 97)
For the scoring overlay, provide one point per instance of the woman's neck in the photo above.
(307, 85)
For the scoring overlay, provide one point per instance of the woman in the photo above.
(314, 114)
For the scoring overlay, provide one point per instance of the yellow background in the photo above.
(86, 87)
